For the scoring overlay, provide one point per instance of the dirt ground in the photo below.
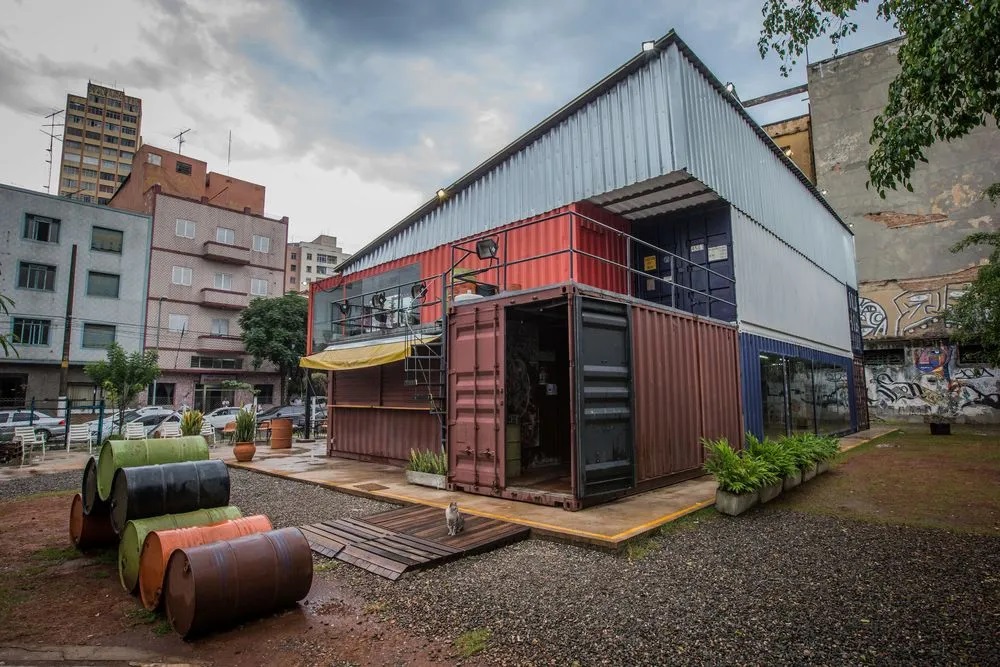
(51, 595)
(916, 479)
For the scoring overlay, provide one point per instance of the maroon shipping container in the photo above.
(571, 396)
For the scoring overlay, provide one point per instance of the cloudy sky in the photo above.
(351, 112)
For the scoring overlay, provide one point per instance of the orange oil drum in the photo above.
(89, 531)
(281, 433)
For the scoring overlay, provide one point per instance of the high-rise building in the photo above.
(100, 138)
(308, 261)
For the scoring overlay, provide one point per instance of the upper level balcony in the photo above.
(220, 298)
(218, 343)
(223, 252)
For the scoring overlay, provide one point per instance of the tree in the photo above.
(123, 375)
(274, 330)
(976, 315)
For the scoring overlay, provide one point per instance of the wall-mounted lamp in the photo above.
(345, 307)
(442, 194)
(418, 291)
(378, 300)
(486, 248)
(648, 47)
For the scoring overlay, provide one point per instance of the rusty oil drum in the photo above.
(89, 531)
(160, 544)
(218, 585)
(92, 503)
(136, 531)
(170, 488)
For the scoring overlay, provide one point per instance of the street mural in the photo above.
(909, 312)
(929, 382)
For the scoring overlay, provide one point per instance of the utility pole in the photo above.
(68, 329)
(51, 133)
(229, 153)
(159, 313)
(180, 139)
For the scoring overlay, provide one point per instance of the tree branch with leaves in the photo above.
(274, 330)
(122, 375)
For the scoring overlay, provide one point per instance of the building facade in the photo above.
(38, 236)
(308, 261)
(100, 138)
(907, 275)
(643, 269)
(794, 138)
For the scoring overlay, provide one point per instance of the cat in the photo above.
(454, 519)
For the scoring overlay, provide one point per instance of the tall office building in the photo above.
(99, 141)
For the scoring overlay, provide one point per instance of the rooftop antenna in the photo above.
(51, 132)
(180, 139)
(229, 153)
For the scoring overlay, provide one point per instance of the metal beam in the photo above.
(770, 97)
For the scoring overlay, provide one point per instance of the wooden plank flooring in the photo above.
(406, 539)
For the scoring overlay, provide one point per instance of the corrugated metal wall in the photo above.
(751, 347)
(724, 153)
(387, 435)
(686, 379)
(779, 289)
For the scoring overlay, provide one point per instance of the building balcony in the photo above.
(220, 298)
(210, 343)
(222, 252)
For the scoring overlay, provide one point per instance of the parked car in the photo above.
(154, 422)
(111, 424)
(220, 417)
(48, 427)
(297, 413)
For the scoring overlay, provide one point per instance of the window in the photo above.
(972, 355)
(264, 393)
(103, 201)
(886, 357)
(291, 280)
(123, 170)
(86, 199)
(96, 136)
(309, 269)
(224, 235)
(103, 284)
(77, 106)
(113, 115)
(164, 393)
(93, 123)
(224, 281)
(154, 159)
(106, 240)
(97, 99)
(261, 243)
(75, 119)
(109, 164)
(70, 183)
(37, 276)
(98, 335)
(40, 228)
(177, 323)
(88, 186)
(132, 107)
(128, 143)
(121, 179)
(107, 189)
(216, 362)
(108, 139)
(114, 103)
(294, 256)
(31, 332)
(74, 131)
(183, 168)
(125, 155)
(94, 110)
(258, 287)
(220, 327)
(321, 270)
(309, 255)
(72, 145)
(89, 173)
(71, 171)
(111, 127)
(128, 130)
(181, 275)
(110, 152)
(128, 118)
(185, 228)
(93, 161)
(292, 268)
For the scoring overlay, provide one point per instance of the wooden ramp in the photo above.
(406, 539)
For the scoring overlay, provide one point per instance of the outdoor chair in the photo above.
(170, 430)
(80, 433)
(229, 430)
(208, 432)
(135, 432)
(28, 438)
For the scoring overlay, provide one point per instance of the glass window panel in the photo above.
(801, 398)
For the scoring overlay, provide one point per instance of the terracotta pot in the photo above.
(244, 451)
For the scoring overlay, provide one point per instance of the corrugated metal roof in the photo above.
(632, 126)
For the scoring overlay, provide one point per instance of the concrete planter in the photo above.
(769, 493)
(808, 472)
(792, 480)
(427, 479)
(822, 466)
(735, 504)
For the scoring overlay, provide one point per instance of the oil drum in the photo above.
(89, 531)
(160, 544)
(117, 454)
(135, 534)
(170, 488)
(218, 585)
(92, 503)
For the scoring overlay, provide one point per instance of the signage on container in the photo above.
(649, 263)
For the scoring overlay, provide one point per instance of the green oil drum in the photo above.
(135, 534)
(117, 454)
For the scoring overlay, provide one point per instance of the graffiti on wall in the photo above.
(929, 381)
(908, 313)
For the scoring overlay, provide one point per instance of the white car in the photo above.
(151, 416)
(46, 426)
(220, 417)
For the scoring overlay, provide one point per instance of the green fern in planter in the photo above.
(736, 473)
(246, 426)
(191, 422)
(429, 462)
(776, 457)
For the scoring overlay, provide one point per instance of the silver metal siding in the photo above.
(626, 136)
(779, 290)
(735, 162)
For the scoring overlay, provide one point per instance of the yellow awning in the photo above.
(363, 354)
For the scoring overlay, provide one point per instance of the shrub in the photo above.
(191, 422)
(246, 426)
(434, 463)
(808, 449)
(778, 459)
(734, 472)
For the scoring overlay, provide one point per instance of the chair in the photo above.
(208, 432)
(135, 432)
(80, 433)
(170, 430)
(28, 438)
(229, 430)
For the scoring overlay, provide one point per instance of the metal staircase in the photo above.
(426, 370)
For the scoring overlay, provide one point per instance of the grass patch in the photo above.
(162, 628)
(107, 557)
(139, 616)
(56, 556)
(639, 548)
(472, 642)
(326, 565)
(10, 598)
(100, 574)
(376, 607)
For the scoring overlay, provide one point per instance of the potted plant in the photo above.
(829, 450)
(191, 422)
(794, 449)
(776, 459)
(243, 436)
(739, 477)
(428, 469)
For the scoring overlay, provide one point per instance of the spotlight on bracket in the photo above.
(486, 248)
(418, 291)
(378, 300)
(442, 194)
(648, 47)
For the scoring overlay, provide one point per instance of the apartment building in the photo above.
(100, 137)
(308, 261)
(39, 236)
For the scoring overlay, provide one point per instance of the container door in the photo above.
(476, 410)
(605, 462)
(706, 241)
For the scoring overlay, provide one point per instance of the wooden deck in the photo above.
(406, 539)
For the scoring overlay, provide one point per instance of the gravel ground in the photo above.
(26, 486)
(774, 587)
